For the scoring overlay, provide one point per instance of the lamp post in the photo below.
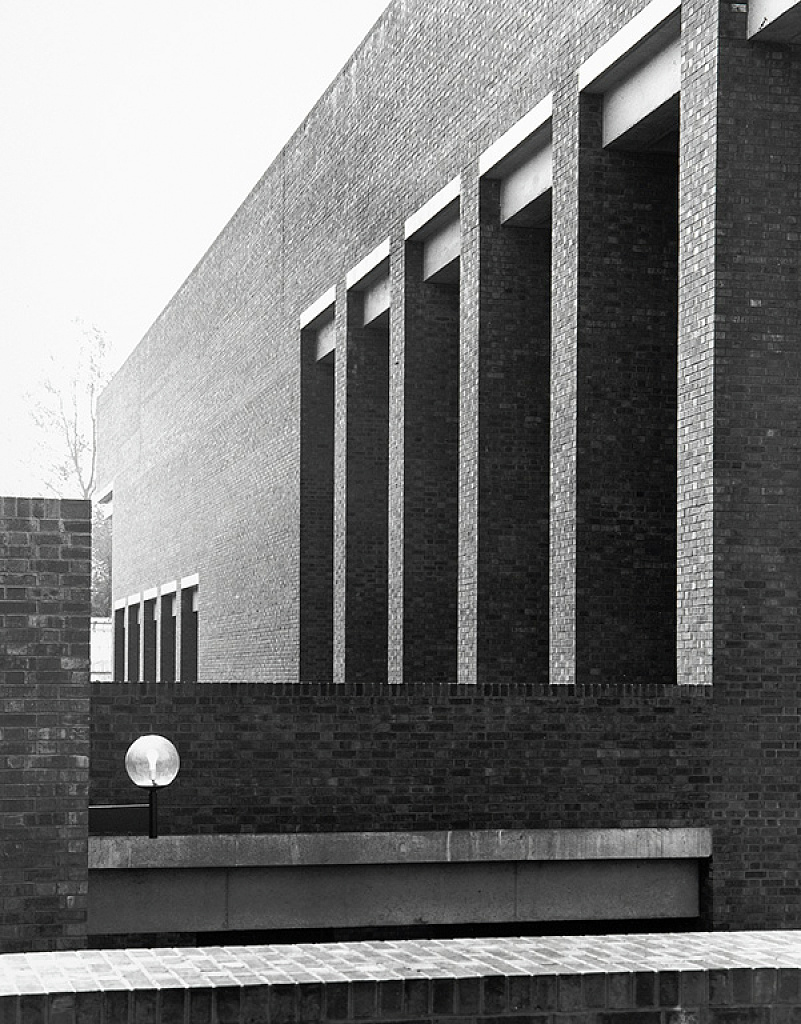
(152, 762)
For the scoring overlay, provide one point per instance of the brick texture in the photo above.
(610, 979)
(319, 758)
(201, 428)
(45, 548)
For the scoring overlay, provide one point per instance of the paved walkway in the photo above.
(353, 962)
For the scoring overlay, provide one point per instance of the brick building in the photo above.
(492, 382)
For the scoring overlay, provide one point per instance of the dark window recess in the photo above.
(167, 627)
(133, 643)
(149, 641)
(189, 603)
(119, 644)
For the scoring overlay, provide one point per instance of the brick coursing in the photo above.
(327, 757)
(45, 555)
(201, 429)
(673, 434)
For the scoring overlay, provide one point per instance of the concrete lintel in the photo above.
(119, 603)
(527, 182)
(190, 581)
(377, 299)
(103, 495)
(643, 32)
(321, 310)
(326, 340)
(442, 248)
(305, 849)
(133, 599)
(168, 588)
(428, 217)
(774, 20)
(641, 92)
(521, 132)
(151, 594)
(366, 266)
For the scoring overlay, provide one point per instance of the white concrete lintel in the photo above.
(442, 248)
(119, 603)
(366, 266)
(151, 594)
(527, 182)
(322, 308)
(595, 74)
(479, 846)
(168, 588)
(190, 581)
(104, 494)
(641, 92)
(516, 137)
(326, 340)
(376, 299)
(425, 220)
(133, 599)
(774, 20)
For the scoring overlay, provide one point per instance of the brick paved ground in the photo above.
(433, 960)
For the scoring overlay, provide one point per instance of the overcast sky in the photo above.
(130, 132)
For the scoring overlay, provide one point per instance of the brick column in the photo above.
(564, 323)
(45, 552)
(396, 466)
(744, 379)
(504, 427)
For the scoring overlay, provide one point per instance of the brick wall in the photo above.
(757, 474)
(201, 428)
(314, 758)
(610, 979)
(45, 553)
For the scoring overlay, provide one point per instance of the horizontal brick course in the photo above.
(666, 979)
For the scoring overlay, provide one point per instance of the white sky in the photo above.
(130, 132)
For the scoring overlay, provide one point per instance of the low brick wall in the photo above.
(45, 554)
(721, 978)
(325, 758)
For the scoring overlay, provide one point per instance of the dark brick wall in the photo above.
(314, 758)
(757, 475)
(317, 512)
(364, 504)
(45, 556)
(431, 474)
(504, 425)
(626, 410)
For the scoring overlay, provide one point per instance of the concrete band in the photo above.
(136, 852)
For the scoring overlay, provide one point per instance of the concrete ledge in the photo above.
(305, 849)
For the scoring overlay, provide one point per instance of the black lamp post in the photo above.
(152, 762)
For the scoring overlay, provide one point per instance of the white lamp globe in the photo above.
(152, 762)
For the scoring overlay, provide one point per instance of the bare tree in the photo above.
(64, 409)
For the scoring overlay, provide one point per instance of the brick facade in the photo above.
(212, 422)
(574, 461)
(45, 554)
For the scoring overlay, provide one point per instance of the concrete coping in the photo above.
(302, 849)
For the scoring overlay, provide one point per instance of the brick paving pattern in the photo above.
(433, 960)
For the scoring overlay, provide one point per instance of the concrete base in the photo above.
(352, 881)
